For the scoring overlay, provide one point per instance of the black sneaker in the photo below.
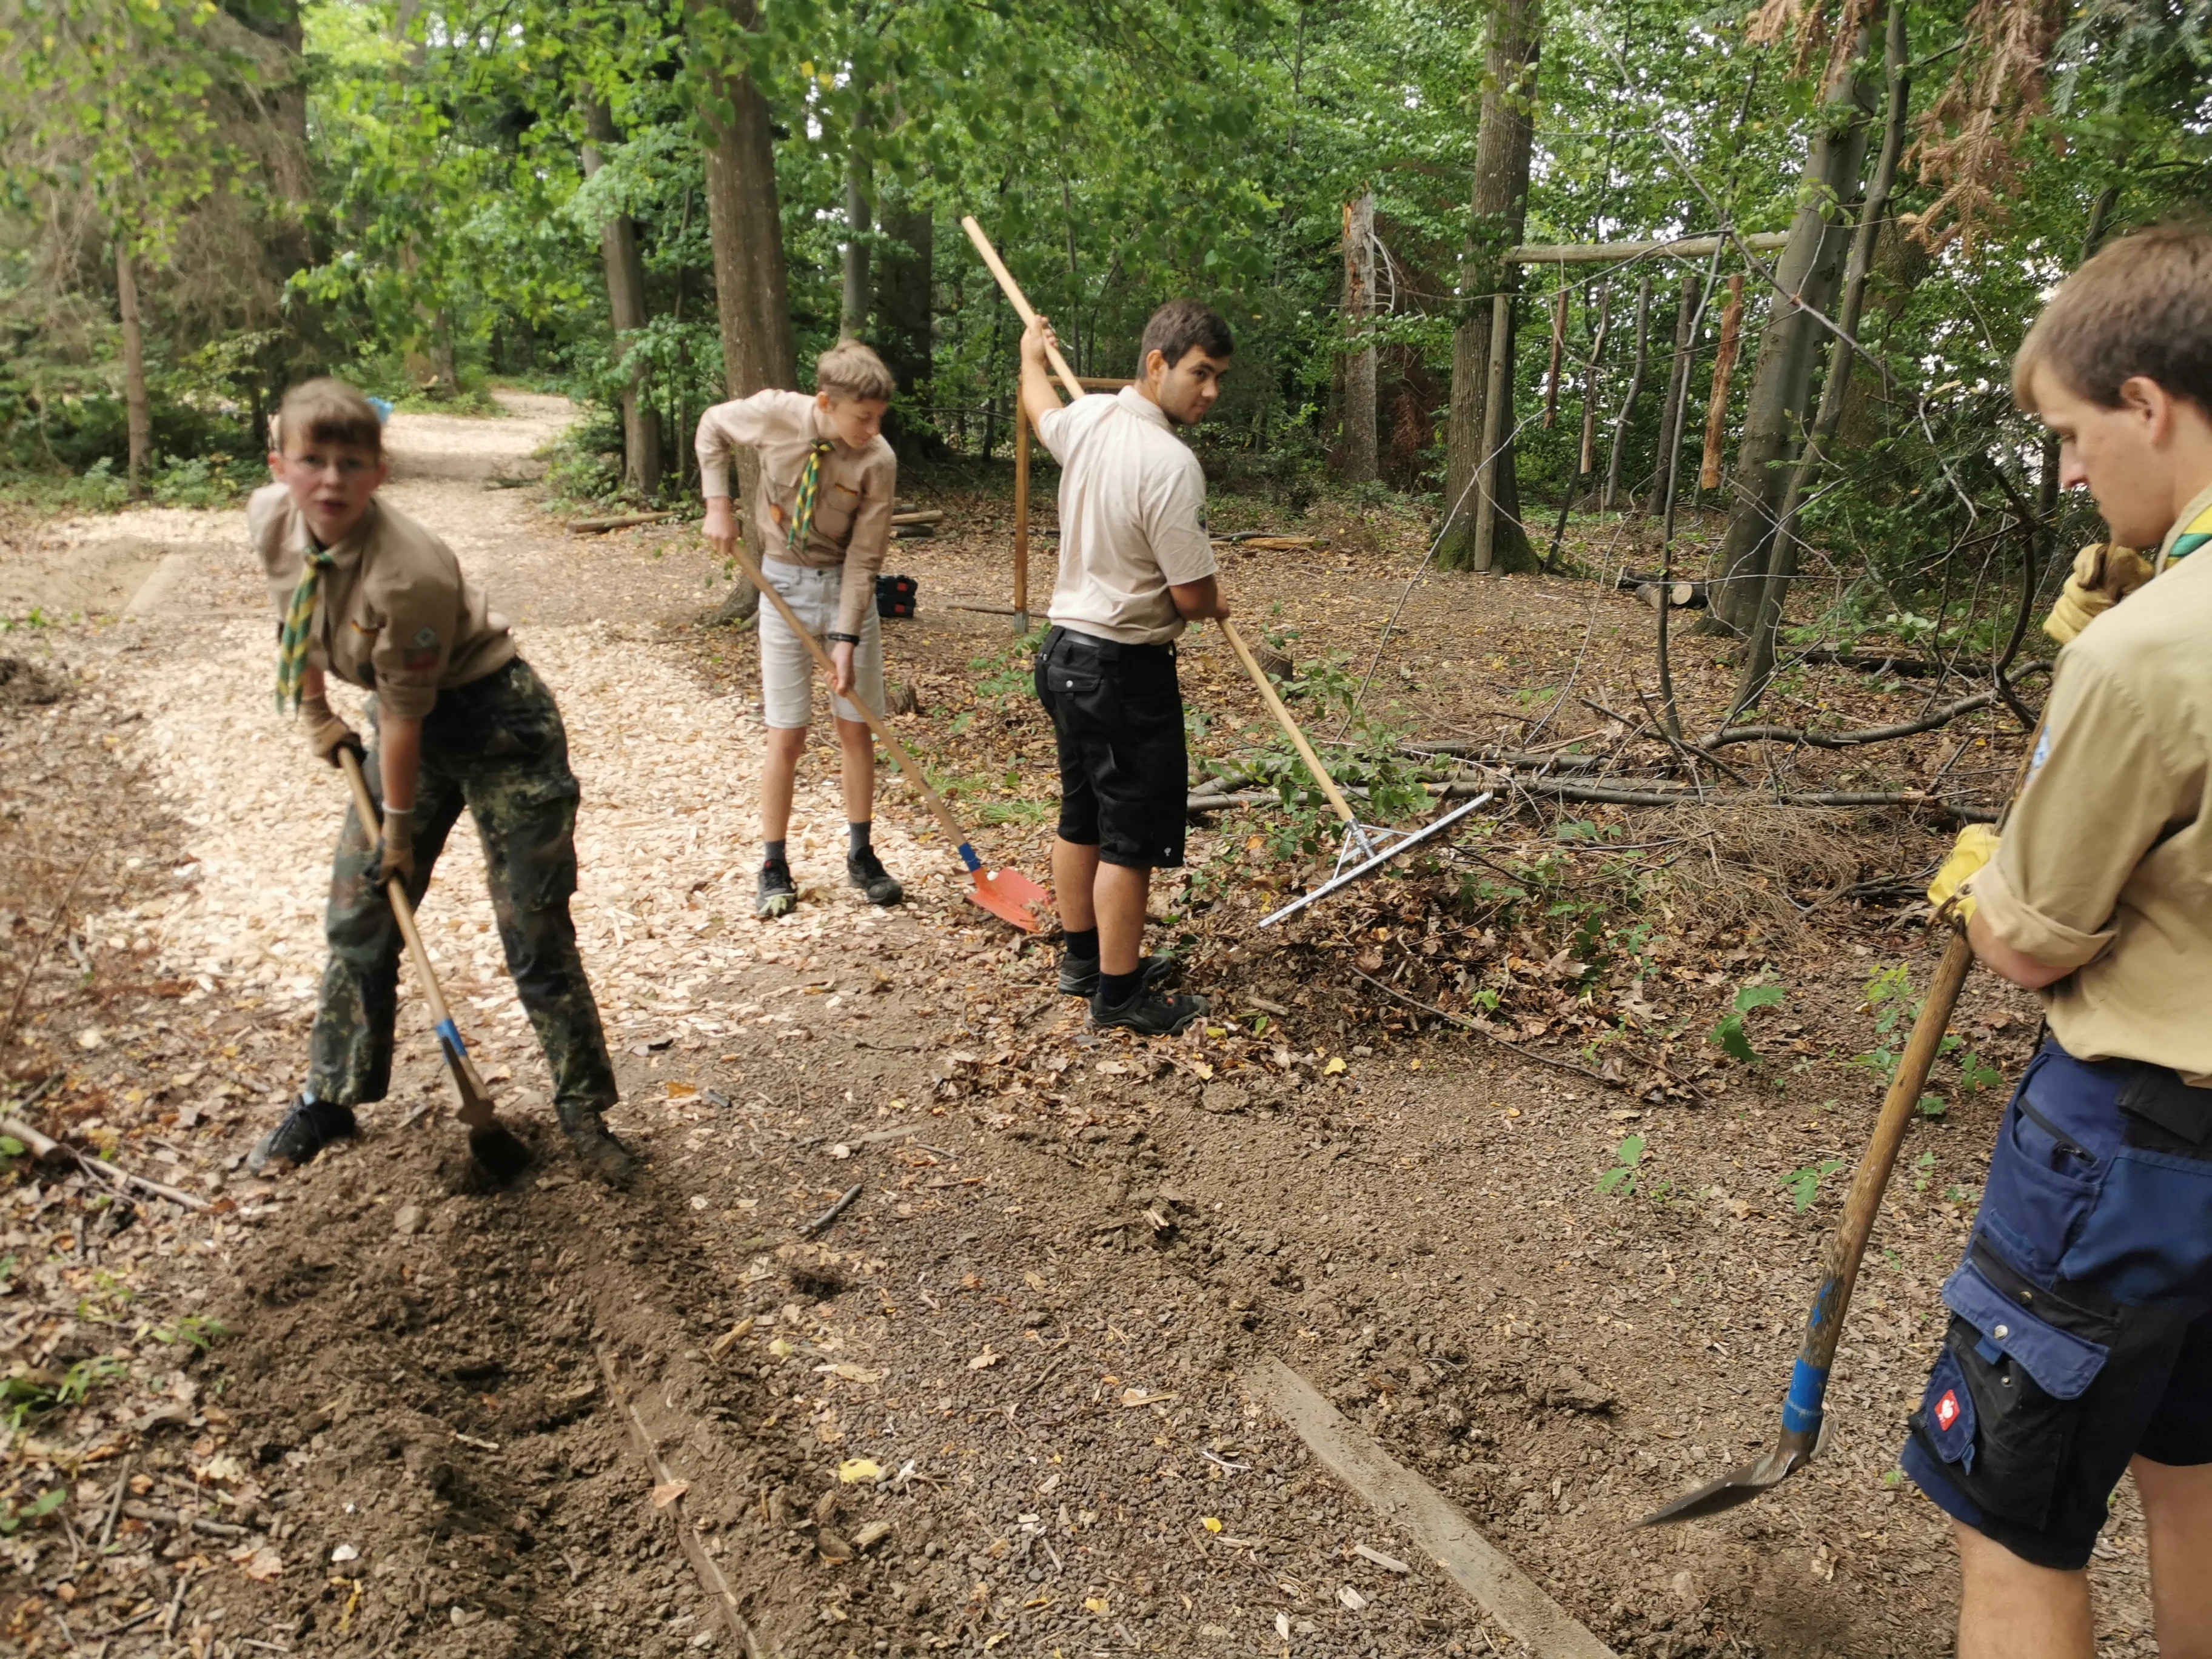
(309, 1127)
(605, 1158)
(1078, 976)
(779, 894)
(877, 885)
(1150, 1014)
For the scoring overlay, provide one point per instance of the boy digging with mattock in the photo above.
(828, 482)
(364, 592)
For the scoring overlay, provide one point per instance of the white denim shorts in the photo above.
(787, 668)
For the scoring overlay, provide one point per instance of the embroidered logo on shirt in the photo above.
(422, 652)
(2042, 753)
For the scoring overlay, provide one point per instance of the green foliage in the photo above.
(13, 1519)
(1803, 1184)
(1627, 1159)
(1728, 1034)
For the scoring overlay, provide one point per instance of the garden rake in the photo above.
(494, 1147)
(1366, 847)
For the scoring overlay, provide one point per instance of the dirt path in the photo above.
(996, 1406)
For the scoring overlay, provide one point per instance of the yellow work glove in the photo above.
(2104, 574)
(1976, 846)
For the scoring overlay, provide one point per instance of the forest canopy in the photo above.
(652, 206)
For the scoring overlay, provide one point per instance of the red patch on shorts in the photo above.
(1947, 1409)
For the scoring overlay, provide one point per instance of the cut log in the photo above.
(622, 521)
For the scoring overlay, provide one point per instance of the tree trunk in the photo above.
(1774, 592)
(1357, 462)
(1499, 214)
(427, 352)
(753, 290)
(1630, 398)
(1782, 381)
(1709, 466)
(859, 195)
(905, 281)
(137, 418)
(625, 268)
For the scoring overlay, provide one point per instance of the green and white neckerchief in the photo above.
(810, 487)
(292, 639)
(2194, 535)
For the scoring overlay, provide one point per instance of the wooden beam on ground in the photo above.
(1501, 1589)
(1684, 247)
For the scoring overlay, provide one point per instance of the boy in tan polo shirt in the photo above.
(365, 593)
(2079, 1342)
(823, 513)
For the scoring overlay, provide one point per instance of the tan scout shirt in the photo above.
(1131, 518)
(853, 506)
(393, 614)
(2106, 862)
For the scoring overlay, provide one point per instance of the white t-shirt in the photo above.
(1131, 518)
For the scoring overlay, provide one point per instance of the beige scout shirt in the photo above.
(853, 503)
(1131, 518)
(393, 613)
(2106, 862)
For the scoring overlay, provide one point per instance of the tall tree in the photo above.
(905, 290)
(1805, 282)
(1499, 215)
(859, 211)
(625, 270)
(1356, 462)
(752, 287)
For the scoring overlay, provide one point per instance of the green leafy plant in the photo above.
(1923, 1171)
(1620, 1179)
(1803, 1184)
(1728, 1034)
(44, 1504)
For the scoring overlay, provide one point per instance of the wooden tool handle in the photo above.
(476, 1099)
(1022, 307)
(1283, 718)
(897, 749)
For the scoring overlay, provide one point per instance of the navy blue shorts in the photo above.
(2079, 1335)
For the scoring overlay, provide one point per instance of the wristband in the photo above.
(843, 639)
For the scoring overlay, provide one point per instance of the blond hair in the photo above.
(326, 412)
(2143, 307)
(849, 370)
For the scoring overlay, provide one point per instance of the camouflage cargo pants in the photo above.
(498, 748)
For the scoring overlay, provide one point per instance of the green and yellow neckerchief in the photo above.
(299, 624)
(810, 487)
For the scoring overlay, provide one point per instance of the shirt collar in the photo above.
(347, 551)
(1144, 407)
(2193, 525)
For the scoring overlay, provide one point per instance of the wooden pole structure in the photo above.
(1485, 506)
(1021, 514)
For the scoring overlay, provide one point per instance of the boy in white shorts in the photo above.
(822, 512)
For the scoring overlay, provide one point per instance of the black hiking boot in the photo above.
(309, 1127)
(1150, 1014)
(877, 885)
(779, 894)
(1078, 976)
(605, 1160)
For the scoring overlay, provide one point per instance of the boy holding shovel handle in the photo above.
(365, 593)
(2079, 1346)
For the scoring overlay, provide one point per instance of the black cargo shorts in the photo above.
(1117, 714)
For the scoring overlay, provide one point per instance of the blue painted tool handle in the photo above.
(449, 1034)
(967, 857)
(1808, 1388)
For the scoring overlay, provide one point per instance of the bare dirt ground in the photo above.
(997, 1405)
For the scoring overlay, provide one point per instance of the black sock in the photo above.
(772, 855)
(858, 834)
(1083, 942)
(1114, 989)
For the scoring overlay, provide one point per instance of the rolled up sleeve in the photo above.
(866, 548)
(2101, 793)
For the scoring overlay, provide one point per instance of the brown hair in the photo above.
(2142, 307)
(1178, 326)
(327, 411)
(849, 370)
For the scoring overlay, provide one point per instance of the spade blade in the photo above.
(1738, 1486)
(1012, 897)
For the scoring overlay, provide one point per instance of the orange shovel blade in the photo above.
(1012, 897)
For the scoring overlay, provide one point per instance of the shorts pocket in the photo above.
(2043, 1184)
(2005, 1403)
